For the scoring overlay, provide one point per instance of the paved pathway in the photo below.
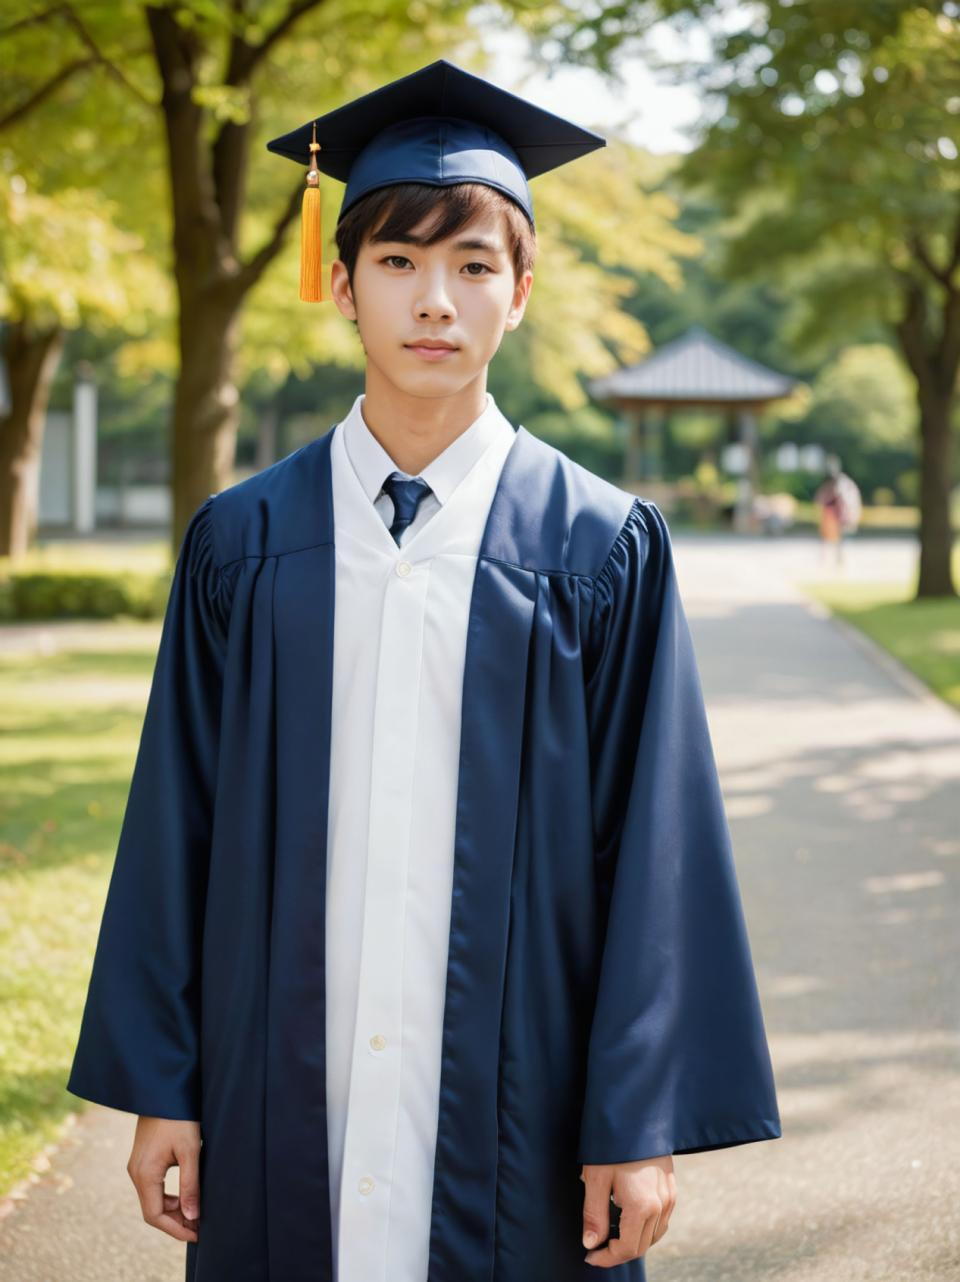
(842, 781)
(842, 784)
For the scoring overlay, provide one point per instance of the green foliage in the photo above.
(868, 388)
(695, 430)
(908, 485)
(800, 485)
(81, 187)
(832, 148)
(585, 435)
(861, 407)
(602, 238)
(65, 260)
(73, 593)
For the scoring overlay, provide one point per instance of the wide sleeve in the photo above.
(138, 1041)
(678, 1060)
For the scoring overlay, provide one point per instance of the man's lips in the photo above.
(433, 346)
(428, 353)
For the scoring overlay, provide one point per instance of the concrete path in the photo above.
(842, 781)
(79, 1219)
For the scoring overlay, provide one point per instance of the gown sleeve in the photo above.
(677, 1059)
(138, 1043)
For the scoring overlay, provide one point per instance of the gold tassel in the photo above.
(311, 241)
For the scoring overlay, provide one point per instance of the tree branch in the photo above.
(244, 57)
(196, 221)
(916, 243)
(949, 356)
(96, 56)
(955, 252)
(910, 329)
(32, 20)
(231, 146)
(230, 153)
(50, 87)
(251, 271)
(111, 67)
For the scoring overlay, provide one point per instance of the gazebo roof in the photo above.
(696, 367)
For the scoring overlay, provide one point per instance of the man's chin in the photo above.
(427, 380)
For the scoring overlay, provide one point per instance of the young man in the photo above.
(424, 916)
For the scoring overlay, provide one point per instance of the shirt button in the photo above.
(366, 1185)
(378, 1041)
(404, 568)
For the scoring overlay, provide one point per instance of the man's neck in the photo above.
(415, 429)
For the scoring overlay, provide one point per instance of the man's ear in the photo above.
(520, 296)
(341, 290)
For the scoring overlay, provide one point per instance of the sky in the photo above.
(649, 110)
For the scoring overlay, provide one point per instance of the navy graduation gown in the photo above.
(601, 1004)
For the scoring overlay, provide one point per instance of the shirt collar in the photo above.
(373, 464)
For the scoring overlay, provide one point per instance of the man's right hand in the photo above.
(158, 1144)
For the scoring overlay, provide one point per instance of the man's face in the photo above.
(459, 291)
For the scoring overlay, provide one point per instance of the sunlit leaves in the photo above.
(66, 259)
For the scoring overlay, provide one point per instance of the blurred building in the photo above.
(695, 370)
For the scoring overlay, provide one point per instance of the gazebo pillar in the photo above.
(644, 453)
(653, 456)
(633, 456)
(749, 482)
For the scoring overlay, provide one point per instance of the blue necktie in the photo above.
(406, 496)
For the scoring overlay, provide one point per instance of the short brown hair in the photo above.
(394, 211)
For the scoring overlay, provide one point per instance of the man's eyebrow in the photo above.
(486, 246)
(471, 242)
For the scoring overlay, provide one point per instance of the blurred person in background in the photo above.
(838, 498)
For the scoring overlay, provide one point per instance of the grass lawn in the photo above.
(923, 635)
(145, 555)
(69, 727)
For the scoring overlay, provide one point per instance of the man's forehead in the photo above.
(482, 233)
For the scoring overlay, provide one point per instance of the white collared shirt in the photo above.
(400, 626)
(373, 464)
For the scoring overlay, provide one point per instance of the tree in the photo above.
(230, 65)
(214, 72)
(222, 77)
(830, 138)
(71, 186)
(838, 127)
(63, 262)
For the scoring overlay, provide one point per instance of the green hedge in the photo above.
(83, 594)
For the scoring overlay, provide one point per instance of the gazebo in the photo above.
(695, 370)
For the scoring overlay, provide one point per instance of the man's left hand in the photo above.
(645, 1191)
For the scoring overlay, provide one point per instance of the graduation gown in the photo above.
(601, 1004)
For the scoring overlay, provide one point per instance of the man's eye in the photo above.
(402, 258)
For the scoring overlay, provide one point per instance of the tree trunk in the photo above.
(207, 180)
(933, 354)
(267, 426)
(936, 477)
(206, 411)
(31, 357)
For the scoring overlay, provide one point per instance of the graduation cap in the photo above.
(439, 125)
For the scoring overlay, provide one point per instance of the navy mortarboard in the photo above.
(439, 125)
